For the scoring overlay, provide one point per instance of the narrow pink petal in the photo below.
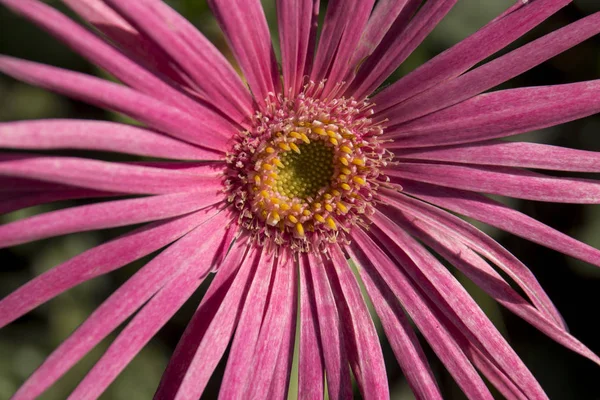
(454, 301)
(97, 135)
(510, 154)
(102, 54)
(481, 243)
(485, 277)
(395, 48)
(295, 20)
(208, 333)
(135, 45)
(310, 364)
(493, 73)
(193, 268)
(104, 215)
(107, 176)
(496, 214)
(388, 15)
(365, 352)
(119, 306)
(244, 24)
(403, 340)
(500, 114)
(332, 337)
(278, 326)
(207, 130)
(95, 262)
(493, 37)
(503, 181)
(343, 27)
(387, 276)
(243, 348)
(201, 60)
(19, 201)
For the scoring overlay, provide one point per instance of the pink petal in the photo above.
(296, 19)
(374, 262)
(454, 301)
(311, 364)
(243, 348)
(207, 130)
(245, 27)
(495, 72)
(20, 201)
(97, 135)
(500, 114)
(504, 181)
(119, 306)
(95, 262)
(511, 154)
(185, 45)
(104, 215)
(364, 351)
(493, 37)
(194, 265)
(403, 340)
(496, 214)
(481, 243)
(331, 333)
(102, 54)
(208, 333)
(278, 326)
(108, 176)
(395, 48)
(485, 277)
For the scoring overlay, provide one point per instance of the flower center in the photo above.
(307, 171)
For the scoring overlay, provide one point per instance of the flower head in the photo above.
(281, 182)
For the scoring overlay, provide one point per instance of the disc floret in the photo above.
(308, 170)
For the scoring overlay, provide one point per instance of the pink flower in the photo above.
(284, 180)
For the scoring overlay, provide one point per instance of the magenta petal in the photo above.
(19, 201)
(119, 306)
(374, 262)
(207, 130)
(365, 350)
(491, 38)
(330, 328)
(500, 114)
(194, 262)
(108, 176)
(493, 73)
(311, 364)
(510, 154)
(208, 333)
(104, 215)
(97, 135)
(278, 327)
(503, 181)
(245, 27)
(95, 262)
(212, 74)
(243, 348)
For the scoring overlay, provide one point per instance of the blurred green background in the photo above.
(573, 285)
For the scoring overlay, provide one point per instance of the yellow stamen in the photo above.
(331, 134)
(328, 207)
(278, 162)
(345, 186)
(346, 171)
(319, 218)
(284, 146)
(331, 223)
(299, 229)
(333, 141)
(295, 135)
(346, 149)
(295, 148)
(292, 218)
(344, 161)
(359, 180)
(304, 138)
(342, 207)
(358, 161)
(319, 131)
(270, 150)
(306, 213)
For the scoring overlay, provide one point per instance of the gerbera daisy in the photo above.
(287, 177)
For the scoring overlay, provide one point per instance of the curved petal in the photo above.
(509, 154)
(104, 215)
(207, 130)
(97, 135)
(116, 309)
(491, 38)
(108, 176)
(20, 201)
(500, 114)
(244, 24)
(493, 73)
(503, 181)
